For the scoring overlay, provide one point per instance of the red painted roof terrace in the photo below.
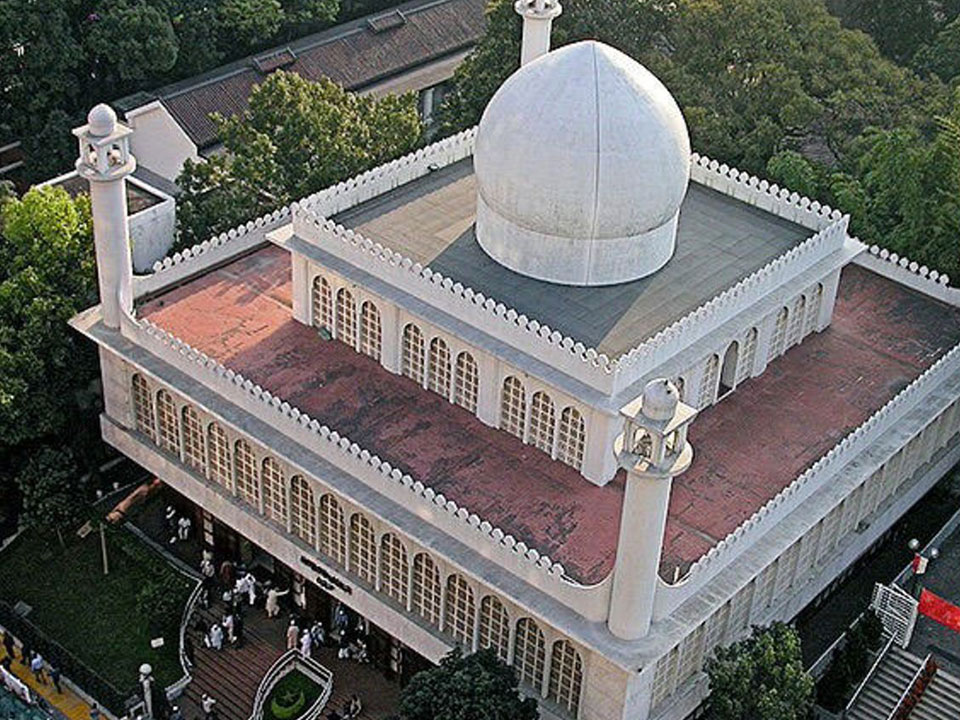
(748, 447)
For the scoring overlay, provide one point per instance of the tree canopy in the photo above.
(297, 137)
(473, 687)
(761, 678)
(52, 498)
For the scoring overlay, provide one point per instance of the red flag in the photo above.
(939, 610)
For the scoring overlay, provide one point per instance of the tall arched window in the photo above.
(795, 331)
(346, 318)
(370, 334)
(322, 303)
(333, 537)
(193, 444)
(571, 438)
(245, 472)
(681, 387)
(708, 384)
(543, 418)
(411, 356)
(566, 676)
(303, 512)
(168, 422)
(528, 654)
(460, 611)
(494, 627)
(394, 568)
(813, 310)
(467, 383)
(513, 407)
(274, 491)
(426, 597)
(363, 549)
(438, 370)
(219, 462)
(745, 366)
(779, 334)
(143, 407)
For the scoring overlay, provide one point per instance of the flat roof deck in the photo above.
(748, 447)
(720, 240)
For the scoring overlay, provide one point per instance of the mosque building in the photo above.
(555, 386)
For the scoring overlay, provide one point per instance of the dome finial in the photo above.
(102, 120)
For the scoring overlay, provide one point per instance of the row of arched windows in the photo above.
(450, 603)
(458, 380)
(338, 315)
(536, 421)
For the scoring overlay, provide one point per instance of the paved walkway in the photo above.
(71, 705)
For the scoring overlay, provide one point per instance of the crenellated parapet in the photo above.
(910, 273)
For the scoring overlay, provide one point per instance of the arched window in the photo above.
(439, 368)
(370, 330)
(779, 334)
(745, 366)
(168, 422)
(566, 676)
(411, 357)
(543, 417)
(193, 444)
(513, 407)
(245, 472)
(363, 549)
(494, 627)
(467, 383)
(571, 438)
(394, 568)
(681, 387)
(274, 491)
(708, 384)
(322, 303)
(528, 654)
(143, 407)
(303, 513)
(795, 332)
(346, 318)
(813, 310)
(219, 463)
(333, 538)
(460, 611)
(426, 597)
(728, 371)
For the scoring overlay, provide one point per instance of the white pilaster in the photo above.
(599, 460)
(299, 270)
(390, 337)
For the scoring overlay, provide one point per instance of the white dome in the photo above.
(102, 120)
(582, 160)
(660, 398)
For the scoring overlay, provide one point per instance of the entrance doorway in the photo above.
(728, 373)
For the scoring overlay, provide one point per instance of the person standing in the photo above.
(216, 636)
(55, 678)
(9, 645)
(319, 634)
(226, 574)
(272, 605)
(183, 527)
(292, 635)
(175, 713)
(36, 665)
(228, 625)
(306, 643)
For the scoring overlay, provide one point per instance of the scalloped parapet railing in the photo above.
(458, 521)
(812, 479)
(910, 273)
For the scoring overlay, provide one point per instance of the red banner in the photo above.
(939, 610)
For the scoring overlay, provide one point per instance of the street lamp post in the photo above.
(146, 680)
(919, 565)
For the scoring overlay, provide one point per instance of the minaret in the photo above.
(538, 18)
(653, 451)
(105, 161)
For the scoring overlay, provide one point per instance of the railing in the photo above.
(866, 678)
(913, 691)
(177, 687)
(288, 662)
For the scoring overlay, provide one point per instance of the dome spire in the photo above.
(538, 18)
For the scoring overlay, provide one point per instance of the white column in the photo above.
(642, 522)
(390, 337)
(301, 288)
(488, 389)
(538, 18)
(599, 460)
(830, 285)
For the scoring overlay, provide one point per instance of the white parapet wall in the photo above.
(909, 273)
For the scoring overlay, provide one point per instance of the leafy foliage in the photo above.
(473, 687)
(157, 603)
(296, 138)
(850, 663)
(53, 499)
(760, 678)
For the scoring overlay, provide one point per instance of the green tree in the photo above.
(473, 687)
(761, 678)
(47, 275)
(296, 138)
(53, 496)
(250, 23)
(130, 42)
(898, 27)
(941, 56)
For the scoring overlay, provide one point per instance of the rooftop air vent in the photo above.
(388, 21)
(277, 59)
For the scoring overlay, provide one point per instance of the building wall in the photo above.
(158, 142)
(152, 231)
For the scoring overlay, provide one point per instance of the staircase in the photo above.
(940, 700)
(879, 697)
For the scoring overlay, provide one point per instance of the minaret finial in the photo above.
(538, 18)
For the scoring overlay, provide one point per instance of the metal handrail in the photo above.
(870, 672)
(909, 688)
(185, 663)
(292, 660)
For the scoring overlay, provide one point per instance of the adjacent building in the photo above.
(555, 386)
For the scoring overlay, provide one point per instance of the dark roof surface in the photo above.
(748, 447)
(351, 54)
(720, 240)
